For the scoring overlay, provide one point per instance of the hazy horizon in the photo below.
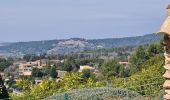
(34, 20)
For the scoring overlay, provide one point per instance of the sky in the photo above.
(33, 20)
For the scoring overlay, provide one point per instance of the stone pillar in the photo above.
(165, 29)
(167, 66)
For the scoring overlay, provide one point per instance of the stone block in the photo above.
(167, 74)
(167, 66)
(166, 85)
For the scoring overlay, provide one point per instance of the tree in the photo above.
(37, 72)
(150, 73)
(31, 57)
(67, 67)
(138, 58)
(86, 73)
(44, 89)
(53, 72)
(3, 91)
(70, 64)
(4, 64)
(24, 84)
(110, 68)
(124, 72)
(154, 49)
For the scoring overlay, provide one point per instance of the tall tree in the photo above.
(111, 68)
(4, 64)
(70, 64)
(155, 49)
(3, 90)
(86, 73)
(37, 72)
(53, 72)
(138, 58)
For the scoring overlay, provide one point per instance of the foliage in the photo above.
(154, 49)
(49, 87)
(142, 54)
(138, 58)
(3, 91)
(24, 84)
(42, 90)
(148, 81)
(70, 64)
(128, 41)
(4, 64)
(37, 72)
(53, 72)
(86, 73)
(72, 81)
(33, 57)
(111, 68)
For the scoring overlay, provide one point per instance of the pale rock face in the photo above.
(71, 46)
(73, 42)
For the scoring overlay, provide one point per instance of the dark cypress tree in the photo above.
(53, 72)
(3, 92)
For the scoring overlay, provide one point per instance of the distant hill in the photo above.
(74, 45)
(4, 44)
(127, 41)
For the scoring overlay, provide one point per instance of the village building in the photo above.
(61, 73)
(92, 69)
(25, 69)
(124, 63)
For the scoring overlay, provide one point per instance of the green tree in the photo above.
(44, 89)
(37, 72)
(53, 72)
(3, 91)
(24, 84)
(125, 72)
(155, 49)
(150, 77)
(86, 73)
(31, 57)
(4, 64)
(70, 64)
(138, 58)
(111, 68)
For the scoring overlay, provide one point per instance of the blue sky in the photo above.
(30, 20)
